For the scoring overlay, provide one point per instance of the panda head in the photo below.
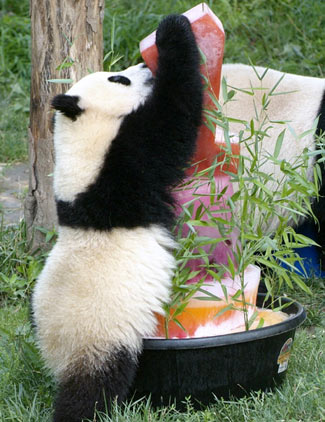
(105, 94)
(88, 119)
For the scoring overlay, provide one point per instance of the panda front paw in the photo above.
(174, 33)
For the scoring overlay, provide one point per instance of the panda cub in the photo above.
(122, 141)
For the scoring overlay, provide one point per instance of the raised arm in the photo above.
(166, 126)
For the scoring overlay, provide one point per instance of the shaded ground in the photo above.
(13, 188)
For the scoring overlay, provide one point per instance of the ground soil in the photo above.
(13, 189)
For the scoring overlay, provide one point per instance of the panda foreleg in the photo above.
(82, 391)
(175, 108)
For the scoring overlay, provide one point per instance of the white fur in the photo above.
(80, 147)
(299, 107)
(99, 290)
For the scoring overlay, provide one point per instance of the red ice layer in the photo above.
(210, 38)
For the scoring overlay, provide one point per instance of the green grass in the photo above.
(26, 391)
(14, 80)
(19, 268)
(287, 35)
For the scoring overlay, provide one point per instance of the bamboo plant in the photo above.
(258, 198)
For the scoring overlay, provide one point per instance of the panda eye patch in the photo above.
(120, 80)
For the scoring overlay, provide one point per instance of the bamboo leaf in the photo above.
(60, 81)
(278, 144)
(224, 90)
(177, 322)
(276, 85)
(260, 323)
(252, 319)
(231, 267)
(229, 307)
(225, 291)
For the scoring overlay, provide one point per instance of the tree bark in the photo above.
(67, 43)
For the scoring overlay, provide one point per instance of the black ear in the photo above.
(68, 105)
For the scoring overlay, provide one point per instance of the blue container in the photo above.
(310, 254)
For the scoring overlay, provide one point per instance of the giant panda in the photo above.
(122, 141)
(302, 101)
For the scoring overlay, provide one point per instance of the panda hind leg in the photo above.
(84, 391)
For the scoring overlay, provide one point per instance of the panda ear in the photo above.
(68, 105)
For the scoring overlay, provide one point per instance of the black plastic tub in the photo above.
(225, 366)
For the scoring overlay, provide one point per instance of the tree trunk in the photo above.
(67, 43)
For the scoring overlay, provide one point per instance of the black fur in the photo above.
(319, 205)
(68, 105)
(154, 144)
(321, 113)
(81, 393)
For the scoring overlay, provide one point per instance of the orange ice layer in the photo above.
(269, 318)
(210, 37)
(193, 317)
(199, 314)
